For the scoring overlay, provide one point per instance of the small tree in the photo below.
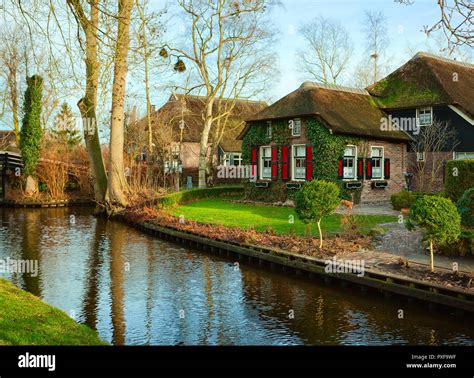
(31, 133)
(439, 218)
(315, 200)
(65, 127)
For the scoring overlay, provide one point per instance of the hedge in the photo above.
(405, 199)
(459, 177)
(464, 247)
(186, 196)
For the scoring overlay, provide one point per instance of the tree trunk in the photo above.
(431, 256)
(88, 104)
(117, 185)
(320, 235)
(204, 143)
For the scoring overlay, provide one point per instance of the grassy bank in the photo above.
(26, 320)
(262, 217)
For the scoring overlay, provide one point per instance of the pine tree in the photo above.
(64, 129)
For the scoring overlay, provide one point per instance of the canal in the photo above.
(139, 290)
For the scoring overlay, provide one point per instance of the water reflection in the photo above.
(135, 289)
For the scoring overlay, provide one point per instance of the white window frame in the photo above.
(423, 156)
(355, 163)
(232, 156)
(293, 162)
(293, 128)
(382, 159)
(269, 130)
(456, 156)
(418, 115)
(261, 163)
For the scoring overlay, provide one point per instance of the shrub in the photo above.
(186, 196)
(463, 247)
(439, 218)
(459, 177)
(405, 199)
(315, 200)
(465, 207)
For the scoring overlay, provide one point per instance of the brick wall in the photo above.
(397, 153)
(428, 176)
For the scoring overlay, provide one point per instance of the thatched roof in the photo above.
(427, 79)
(190, 108)
(343, 110)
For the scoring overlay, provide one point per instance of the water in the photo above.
(136, 290)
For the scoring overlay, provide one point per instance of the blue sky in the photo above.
(404, 25)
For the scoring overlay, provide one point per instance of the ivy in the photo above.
(31, 133)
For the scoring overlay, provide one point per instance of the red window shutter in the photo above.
(360, 168)
(339, 169)
(386, 169)
(274, 163)
(309, 162)
(368, 169)
(284, 162)
(254, 162)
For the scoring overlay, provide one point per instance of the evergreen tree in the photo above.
(31, 133)
(65, 127)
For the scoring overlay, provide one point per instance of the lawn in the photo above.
(261, 217)
(26, 320)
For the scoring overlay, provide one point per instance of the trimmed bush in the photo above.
(315, 200)
(459, 177)
(463, 247)
(465, 207)
(439, 218)
(186, 196)
(406, 199)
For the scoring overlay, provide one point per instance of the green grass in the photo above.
(26, 320)
(261, 217)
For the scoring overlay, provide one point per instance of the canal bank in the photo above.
(26, 320)
(431, 294)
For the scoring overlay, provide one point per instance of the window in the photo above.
(233, 158)
(424, 116)
(463, 155)
(299, 162)
(349, 163)
(420, 156)
(269, 130)
(266, 162)
(296, 129)
(377, 162)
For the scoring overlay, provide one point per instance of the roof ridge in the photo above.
(442, 58)
(335, 87)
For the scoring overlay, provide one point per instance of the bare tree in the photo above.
(89, 22)
(372, 68)
(431, 148)
(228, 51)
(327, 51)
(117, 184)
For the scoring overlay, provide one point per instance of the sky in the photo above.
(404, 25)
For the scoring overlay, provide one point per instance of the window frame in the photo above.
(382, 165)
(269, 130)
(423, 156)
(293, 128)
(455, 155)
(354, 165)
(418, 115)
(293, 162)
(261, 160)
